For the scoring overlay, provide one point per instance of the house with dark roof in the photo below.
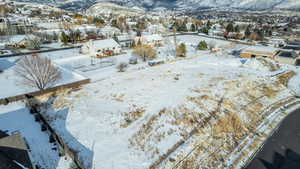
(288, 57)
(13, 152)
(292, 45)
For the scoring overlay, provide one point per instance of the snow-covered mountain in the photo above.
(181, 4)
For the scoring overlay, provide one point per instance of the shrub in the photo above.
(202, 45)
(122, 67)
(181, 50)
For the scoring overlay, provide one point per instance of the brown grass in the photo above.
(230, 124)
(132, 116)
(285, 77)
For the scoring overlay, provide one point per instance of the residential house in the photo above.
(292, 45)
(152, 40)
(236, 35)
(101, 48)
(125, 40)
(109, 31)
(156, 29)
(277, 42)
(14, 152)
(288, 57)
(259, 51)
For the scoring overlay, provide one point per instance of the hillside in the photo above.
(105, 7)
(177, 4)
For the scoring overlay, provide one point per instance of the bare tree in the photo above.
(145, 52)
(37, 71)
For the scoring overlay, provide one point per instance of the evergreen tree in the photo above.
(202, 45)
(64, 38)
(139, 33)
(204, 30)
(176, 26)
(237, 29)
(98, 21)
(115, 38)
(114, 23)
(193, 28)
(247, 32)
(183, 27)
(230, 28)
(208, 24)
(139, 43)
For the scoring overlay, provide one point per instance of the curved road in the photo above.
(286, 138)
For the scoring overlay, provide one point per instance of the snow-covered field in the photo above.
(130, 119)
(16, 118)
(98, 69)
(12, 86)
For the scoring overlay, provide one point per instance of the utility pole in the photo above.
(175, 39)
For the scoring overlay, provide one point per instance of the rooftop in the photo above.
(13, 153)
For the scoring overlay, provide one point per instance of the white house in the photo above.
(156, 29)
(109, 31)
(152, 40)
(101, 48)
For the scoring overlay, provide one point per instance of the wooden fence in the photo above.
(76, 84)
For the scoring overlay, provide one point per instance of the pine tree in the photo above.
(193, 28)
(208, 24)
(204, 30)
(183, 27)
(115, 38)
(247, 32)
(237, 29)
(64, 38)
(202, 45)
(230, 28)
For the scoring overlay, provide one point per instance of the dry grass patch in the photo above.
(230, 124)
(132, 116)
(118, 97)
(269, 92)
(148, 132)
(285, 77)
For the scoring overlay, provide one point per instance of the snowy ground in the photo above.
(129, 120)
(98, 69)
(139, 115)
(12, 86)
(16, 118)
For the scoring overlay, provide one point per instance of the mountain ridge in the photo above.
(179, 4)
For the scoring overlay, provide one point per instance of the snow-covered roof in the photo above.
(260, 49)
(109, 29)
(19, 38)
(106, 43)
(154, 37)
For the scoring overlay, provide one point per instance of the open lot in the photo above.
(130, 120)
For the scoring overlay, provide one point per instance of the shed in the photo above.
(259, 51)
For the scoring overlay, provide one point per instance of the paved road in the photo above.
(286, 137)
